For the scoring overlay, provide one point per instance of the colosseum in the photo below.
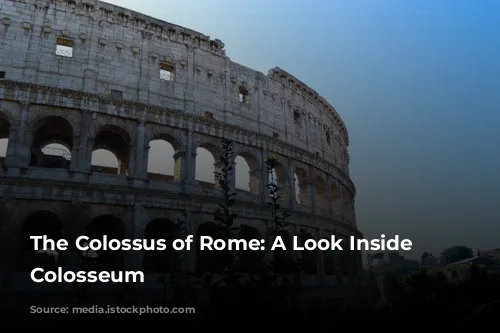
(111, 121)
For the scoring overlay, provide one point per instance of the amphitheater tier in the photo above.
(89, 75)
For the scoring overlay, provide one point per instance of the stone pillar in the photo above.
(180, 166)
(341, 200)
(312, 186)
(145, 160)
(264, 177)
(79, 151)
(330, 199)
(140, 171)
(188, 169)
(87, 161)
(292, 196)
(18, 149)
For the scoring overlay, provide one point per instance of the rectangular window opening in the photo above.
(116, 94)
(209, 115)
(2, 75)
(64, 47)
(275, 135)
(166, 71)
(244, 95)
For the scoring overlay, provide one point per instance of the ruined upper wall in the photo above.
(119, 52)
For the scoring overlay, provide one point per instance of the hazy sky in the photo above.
(417, 84)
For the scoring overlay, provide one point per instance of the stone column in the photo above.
(292, 196)
(140, 171)
(330, 199)
(188, 168)
(87, 160)
(312, 186)
(264, 177)
(18, 149)
(341, 200)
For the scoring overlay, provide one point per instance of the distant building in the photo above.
(492, 253)
(460, 271)
(391, 261)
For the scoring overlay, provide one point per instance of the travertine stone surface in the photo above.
(110, 94)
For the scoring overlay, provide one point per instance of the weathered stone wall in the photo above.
(115, 48)
(75, 101)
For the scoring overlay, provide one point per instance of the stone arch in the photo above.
(283, 260)
(111, 142)
(309, 258)
(302, 186)
(164, 160)
(250, 261)
(39, 223)
(157, 261)
(5, 132)
(207, 156)
(247, 172)
(321, 188)
(52, 142)
(105, 225)
(207, 261)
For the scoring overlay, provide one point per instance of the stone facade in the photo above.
(89, 75)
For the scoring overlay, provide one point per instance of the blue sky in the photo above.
(417, 84)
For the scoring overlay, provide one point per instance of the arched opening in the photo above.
(242, 174)
(159, 261)
(283, 260)
(111, 151)
(39, 223)
(247, 169)
(309, 259)
(278, 176)
(163, 162)
(105, 260)
(205, 166)
(4, 138)
(250, 261)
(321, 194)
(52, 143)
(207, 261)
(302, 188)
